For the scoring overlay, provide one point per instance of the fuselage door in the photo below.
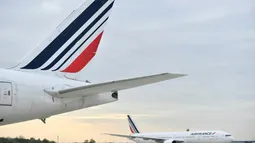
(5, 93)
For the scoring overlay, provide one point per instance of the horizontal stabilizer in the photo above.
(111, 86)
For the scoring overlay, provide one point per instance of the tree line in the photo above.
(23, 140)
(33, 140)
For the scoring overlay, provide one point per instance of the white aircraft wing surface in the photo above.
(158, 140)
(132, 137)
(111, 86)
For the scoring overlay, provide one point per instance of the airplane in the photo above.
(175, 137)
(39, 86)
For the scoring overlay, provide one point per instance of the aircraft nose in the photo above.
(231, 138)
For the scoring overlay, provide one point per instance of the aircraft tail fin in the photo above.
(74, 42)
(132, 125)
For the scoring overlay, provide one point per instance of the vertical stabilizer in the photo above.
(74, 42)
(132, 125)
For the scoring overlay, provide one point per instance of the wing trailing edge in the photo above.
(111, 86)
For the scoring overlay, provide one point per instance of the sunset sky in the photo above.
(211, 41)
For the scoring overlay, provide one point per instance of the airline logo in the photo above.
(204, 133)
(66, 52)
(132, 126)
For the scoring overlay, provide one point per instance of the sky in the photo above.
(211, 41)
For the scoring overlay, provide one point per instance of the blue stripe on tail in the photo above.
(69, 47)
(80, 46)
(62, 38)
(132, 124)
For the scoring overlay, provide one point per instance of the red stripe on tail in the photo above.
(83, 59)
(131, 129)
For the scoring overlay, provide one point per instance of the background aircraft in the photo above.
(37, 88)
(176, 137)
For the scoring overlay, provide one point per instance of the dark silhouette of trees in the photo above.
(23, 140)
(86, 141)
(90, 141)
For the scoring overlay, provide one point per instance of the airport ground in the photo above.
(33, 140)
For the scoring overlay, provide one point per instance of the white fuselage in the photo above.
(22, 96)
(189, 137)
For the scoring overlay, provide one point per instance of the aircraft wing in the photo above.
(111, 86)
(157, 140)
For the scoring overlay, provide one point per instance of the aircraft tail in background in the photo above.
(132, 125)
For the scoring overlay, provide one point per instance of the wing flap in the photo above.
(112, 86)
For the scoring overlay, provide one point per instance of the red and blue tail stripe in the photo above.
(95, 48)
(132, 125)
(58, 55)
(79, 38)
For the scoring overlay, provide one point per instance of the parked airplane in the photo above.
(37, 87)
(176, 137)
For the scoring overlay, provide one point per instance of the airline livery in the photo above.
(176, 137)
(37, 87)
